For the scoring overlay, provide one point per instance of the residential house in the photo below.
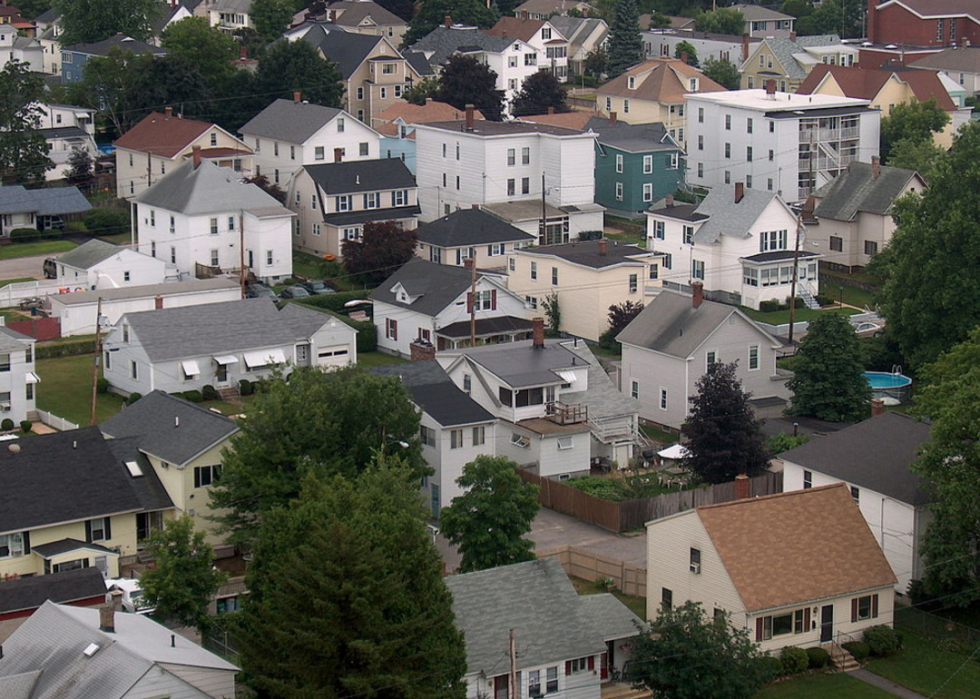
(334, 201)
(789, 61)
(159, 143)
(170, 12)
(397, 123)
(227, 15)
(206, 221)
(893, 499)
(558, 410)
(731, 48)
(885, 88)
(906, 30)
(287, 135)
(777, 141)
(545, 9)
(366, 17)
(67, 128)
(959, 63)
(550, 43)
(10, 15)
(570, 644)
(48, 32)
(454, 428)
(219, 344)
(185, 445)
(65, 650)
(471, 234)
(852, 219)
(739, 242)
(587, 277)
(764, 22)
(670, 344)
(21, 597)
(432, 305)
(101, 500)
(508, 168)
(40, 209)
(14, 47)
(721, 557)
(17, 377)
(584, 35)
(97, 264)
(73, 58)
(656, 91)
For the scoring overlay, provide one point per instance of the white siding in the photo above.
(111, 273)
(14, 382)
(157, 683)
(216, 683)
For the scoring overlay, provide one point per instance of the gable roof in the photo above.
(102, 48)
(657, 80)
(350, 13)
(290, 121)
(51, 201)
(437, 286)
(535, 599)
(434, 392)
(422, 113)
(896, 440)
(168, 427)
(728, 217)
(588, 253)
(89, 253)
(866, 83)
(441, 43)
(69, 586)
(163, 135)
(578, 29)
(786, 50)
(633, 138)
(468, 227)
(361, 176)
(855, 191)
(671, 325)
(751, 534)
(955, 58)
(569, 120)
(520, 364)
(347, 50)
(758, 13)
(515, 28)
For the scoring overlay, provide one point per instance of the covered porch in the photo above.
(768, 276)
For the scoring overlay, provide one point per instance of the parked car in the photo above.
(132, 597)
(259, 291)
(316, 287)
(50, 268)
(294, 292)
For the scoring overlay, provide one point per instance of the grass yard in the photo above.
(852, 295)
(923, 667)
(780, 317)
(637, 605)
(370, 359)
(41, 247)
(5, 282)
(66, 390)
(822, 686)
(117, 238)
(625, 237)
(658, 435)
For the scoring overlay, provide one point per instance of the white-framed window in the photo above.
(318, 153)
(619, 163)
(495, 249)
(807, 480)
(626, 106)
(565, 443)
(204, 476)
(525, 155)
(658, 230)
(856, 493)
(619, 191)
(697, 269)
(864, 608)
(12, 545)
(399, 197)
(269, 257)
(371, 200)
(360, 92)
(344, 202)
(554, 276)
(98, 529)
(479, 435)
(511, 157)
(316, 229)
(648, 191)
(456, 439)
(688, 235)
(773, 240)
(531, 302)
(391, 329)
(512, 62)
(635, 389)
(534, 270)
(710, 357)
(634, 283)
(213, 226)
(551, 675)
(695, 561)
(214, 257)
(647, 164)
(753, 357)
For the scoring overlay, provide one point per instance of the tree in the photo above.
(685, 654)
(23, 148)
(541, 91)
(724, 438)
(686, 47)
(422, 90)
(288, 66)
(88, 21)
(658, 21)
(797, 8)
(320, 423)
(724, 20)
(269, 187)
(625, 47)
(725, 73)
(464, 80)
(489, 520)
(347, 598)
(384, 247)
(434, 12)
(911, 121)
(184, 578)
(172, 80)
(828, 383)
(271, 17)
(595, 62)
(79, 170)
(622, 315)
(208, 48)
(831, 17)
(108, 85)
(922, 156)
(936, 245)
(552, 310)
(402, 8)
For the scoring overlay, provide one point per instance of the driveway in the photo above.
(20, 267)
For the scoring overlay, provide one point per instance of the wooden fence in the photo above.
(590, 565)
(633, 514)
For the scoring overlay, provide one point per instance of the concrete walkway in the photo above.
(885, 684)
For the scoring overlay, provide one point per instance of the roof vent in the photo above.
(91, 649)
(14, 449)
(357, 179)
(176, 421)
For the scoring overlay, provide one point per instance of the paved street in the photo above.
(22, 267)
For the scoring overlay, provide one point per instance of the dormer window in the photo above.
(693, 84)
(632, 82)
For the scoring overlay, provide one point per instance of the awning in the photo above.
(264, 358)
(32, 378)
(674, 451)
(567, 376)
(190, 367)
(226, 359)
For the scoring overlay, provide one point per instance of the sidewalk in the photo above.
(885, 684)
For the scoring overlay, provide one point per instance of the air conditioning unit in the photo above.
(5, 407)
(696, 568)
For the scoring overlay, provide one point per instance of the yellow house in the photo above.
(789, 61)
(588, 278)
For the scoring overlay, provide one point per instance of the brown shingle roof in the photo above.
(568, 120)
(657, 80)
(421, 114)
(523, 29)
(796, 547)
(160, 134)
(866, 83)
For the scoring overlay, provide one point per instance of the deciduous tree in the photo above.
(271, 17)
(595, 62)
(384, 247)
(23, 149)
(911, 122)
(288, 66)
(432, 14)
(422, 90)
(922, 156)
(208, 48)
(686, 47)
(269, 187)
(464, 80)
(79, 170)
(722, 72)
(724, 20)
(540, 92)
(88, 21)
(625, 47)
(489, 521)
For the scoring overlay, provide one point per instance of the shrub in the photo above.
(24, 235)
(133, 397)
(64, 349)
(795, 660)
(882, 640)
(75, 227)
(7, 424)
(209, 392)
(26, 426)
(335, 302)
(799, 303)
(954, 645)
(770, 306)
(102, 385)
(590, 235)
(192, 396)
(772, 667)
(107, 220)
(245, 387)
(825, 300)
(818, 657)
(859, 649)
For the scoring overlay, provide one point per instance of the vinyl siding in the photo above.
(213, 682)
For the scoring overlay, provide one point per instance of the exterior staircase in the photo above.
(228, 393)
(840, 659)
(804, 293)
(620, 690)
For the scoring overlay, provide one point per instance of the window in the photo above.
(769, 184)
(870, 247)
(126, 276)
(748, 153)
(534, 270)
(748, 181)
(98, 529)
(268, 257)
(700, 115)
(836, 243)
(318, 153)
(214, 226)
(635, 389)
(525, 156)
(530, 59)
(435, 255)
(565, 443)
(554, 276)
(619, 163)
(511, 264)
(648, 191)
(939, 30)
(13, 545)
(666, 598)
(711, 357)
(772, 127)
(173, 255)
(728, 122)
(697, 269)
(728, 177)
(696, 561)
(495, 249)
(748, 126)
(391, 329)
(371, 200)
(700, 142)
(772, 240)
(534, 683)
(619, 191)
(153, 217)
(654, 271)
(753, 357)
(701, 170)
(525, 185)
(728, 150)
(856, 493)
(658, 230)
(457, 181)
(360, 93)
(531, 302)
(214, 258)
(668, 260)
(551, 675)
(512, 61)
(206, 475)
(634, 284)
(275, 148)
(663, 398)
(479, 435)
(363, 149)
(455, 439)
(399, 197)
(427, 436)
(344, 203)
(231, 223)
(608, 106)
(340, 124)
(626, 106)
(511, 187)
(688, 235)
(316, 229)
(807, 480)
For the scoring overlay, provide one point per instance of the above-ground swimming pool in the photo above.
(892, 386)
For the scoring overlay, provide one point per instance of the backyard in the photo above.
(637, 605)
(939, 669)
(41, 247)
(802, 314)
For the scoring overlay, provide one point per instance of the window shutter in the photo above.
(874, 606)
(806, 620)
(758, 630)
(27, 542)
(88, 531)
(469, 301)
(108, 528)
(568, 667)
(489, 250)
(493, 299)
(197, 477)
(592, 662)
(854, 610)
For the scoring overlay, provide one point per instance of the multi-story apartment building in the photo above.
(543, 36)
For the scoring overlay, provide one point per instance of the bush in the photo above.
(24, 235)
(75, 227)
(608, 341)
(953, 645)
(7, 424)
(859, 649)
(825, 300)
(772, 667)
(107, 221)
(794, 660)
(102, 385)
(882, 640)
(192, 396)
(64, 349)
(133, 397)
(769, 306)
(590, 235)
(245, 387)
(209, 392)
(335, 302)
(26, 426)
(818, 657)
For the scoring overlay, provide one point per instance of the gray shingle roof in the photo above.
(955, 58)
(56, 548)
(535, 599)
(602, 398)
(727, 217)
(587, 253)
(783, 50)
(441, 43)
(520, 364)
(874, 454)
(102, 48)
(54, 201)
(419, 62)
(19, 686)
(149, 490)
(758, 13)
(13, 340)
(855, 191)
(147, 291)
(421, 373)
(438, 285)
(206, 189)
(169, 427)
(69, 586)
(346, 49)
(89, 253)
(362, 176)
(634, 138)
(434, 392)
(467, 227)
(289, 121)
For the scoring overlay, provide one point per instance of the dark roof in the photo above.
(365, 215)
(681, 212)
(62, 477)
(441, 43)
(169, 427)
(289, 121)
(448, 405)
(482, 127)
(70, 586)
(56, 548)
(149, 490)
(855, 191)
(51, 201)
(467, 227)
(520, 364)
(587, 253)
(419, 62)
(361, 176)
(90, 253)
(634, 138)
(426, 371)
(779, 255)
(64, 132)
(436, 285)
(101, 48)
(346, 49)
(874, 454)
(486, 326)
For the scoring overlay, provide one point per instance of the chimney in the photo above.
(551, 110)
(771, 89)
(537, 332)
(338, 155)
(612, 118)
(742, 487)
(875, 167)
(420, 351)
(877, 407)
(447, 21)
(169, 111)
(468, 262)
(698, 288)
(469, 117)
(475, 206)
(115, 600)
(602, 247)
(745, 47)
(242, 53)
(158, 302)
(297, 96)
(872, 20)
(670, 201)
(808, 206)
(107, 619)
(197, 157)
(739, 191)
(792, 36)
(684, 57)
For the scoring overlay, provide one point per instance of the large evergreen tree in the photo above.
(465, 80)
(23, 148)
(540, 92)
(88, 21)
(625, 47)
(347, 598)
(724, 438)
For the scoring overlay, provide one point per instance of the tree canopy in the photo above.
(433, 13)
(271, 17)
(384, 247)
(725, 73)
(208, 48)
(23, 148)
(830, 17)
(541, 91)
(922, 156)
(724, 20)
(88, 21)
(465, 80)
(686, 47)
(288, 66)
(488, 522)
(625, 47)
(912, 123)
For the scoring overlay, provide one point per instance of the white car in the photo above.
(132, 599)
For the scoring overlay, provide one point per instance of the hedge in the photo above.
(367, 333)
(28, 235)
(882, 640)
(335, 301)
(107, 220)
(795, 660)
(819, 658)
(64, 349)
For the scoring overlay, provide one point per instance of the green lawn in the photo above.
(822, 686)
(780, 317)
(658, 435)
(370, 359)
(852, 295)
(66, 390)
(4, 282)
(924, 668)
(42, 247)
(637, 605)
(625, 237)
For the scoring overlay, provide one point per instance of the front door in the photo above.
(302, 355)
(221, 375)
(827, 623)
(500, 687)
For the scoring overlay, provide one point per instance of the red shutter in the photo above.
(493, 299)
(854, 610)
(592, 662)
(806, 620)
(758, 630)
(469, 302)
(568, 667)
(874, 606)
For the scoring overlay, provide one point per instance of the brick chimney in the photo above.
(697, 287)
(158, 302)
(297, 96)
(739, 191)
(419, 351)
(792, 36)
(447, 21)
(197, 156)
(169, 112)
(872, 20)
(742, 487)
(537, 332)
(612, 117)
(771, 89)
(107, 619)
(470, 119)
(602, 247)
(875, 167)
(670, 201)
(338, 155)
(745, 47)
(877, 407)
(115, 600)
(684, 57)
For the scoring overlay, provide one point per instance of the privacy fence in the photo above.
(590, 565)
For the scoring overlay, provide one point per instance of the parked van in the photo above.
(132, 599)
(50, 268)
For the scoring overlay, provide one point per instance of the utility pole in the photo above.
(472, 265)
(544, 216)
(512, 678)
(97, 360)
(241, 246)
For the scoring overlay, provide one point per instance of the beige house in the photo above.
(758, 561)
(655, 91)
(588, 278)
(789, 60)
(366, 17)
